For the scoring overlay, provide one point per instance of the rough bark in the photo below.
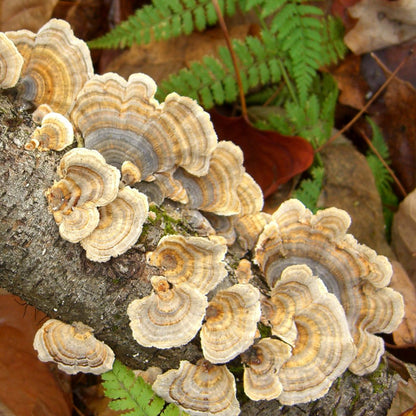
(55, 276)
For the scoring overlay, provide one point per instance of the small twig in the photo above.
(399, 347)
(392, 174)
(234, 59)
(369, 102)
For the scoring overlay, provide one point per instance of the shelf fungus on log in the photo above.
(58, 66)
(249, 227)
(11, 62)
(216, 191)
(123, 121)
(55, 133)
(120, 226)
(169, 317)
(200, 389)
(263, 362)
(87, 183)
(311, 320)
(353, 272)
(73, 347)
(250, 196)
(230, 323)
(40, 112)
(197, 261)
(24, 41)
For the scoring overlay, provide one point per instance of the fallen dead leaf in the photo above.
(25, 14)
(405, 334)
(381, 23)
(352, 85)
(404, 399)
(403, 235)
(28, 387)
(398, 124)
(271, 158)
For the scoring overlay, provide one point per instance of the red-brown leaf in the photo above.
(271, 158)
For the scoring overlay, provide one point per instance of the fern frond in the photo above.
(212, 81)
(381, 175)
(163, 20)
(129, 392)
(310, 189)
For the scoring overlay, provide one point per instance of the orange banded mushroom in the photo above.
(230, 323)
(201, 389)
(11, 62)
(353, 272)
(169, 317)
(73, 347)
(197, 261)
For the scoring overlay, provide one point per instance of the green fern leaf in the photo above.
(163, 20)
(129, 392)
(310, 189)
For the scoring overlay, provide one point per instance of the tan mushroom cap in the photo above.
(24, 40)
(123, 121)
(169, 317)
(58, 67)
(55, 133)
(170, 187)
(40, 112)
(121, 223)
(73, 347)
(261, 375)
(323, 348)
(79, 223)
(11, 62)
(230, 323)
(201, 389)
(198, 222)
(130, 173)
(97, 180)
(348, 269)
(216, 191)
(249, 227)
(197, 261)
(250, 195)
(223, 226)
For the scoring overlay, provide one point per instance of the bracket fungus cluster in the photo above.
(354, 273)
(328, 294)
(73, 347)
(11, 62)
(89, 207)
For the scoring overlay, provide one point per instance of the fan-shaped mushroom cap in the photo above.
(223, 226)
(353, 272)
(170, 187)
(24, 40)
(323, 347)
(79, 223)
(73, 347)
(216, 191)
(230, 323)
(123, 121)
(250, 195)
(264, 360)
(121, 223)
(55, 133)
(40, 112)
(198, 222)
(201, 389)
(197, 261)
(11, 62)
(249, 227)
(86, 178)
(58, 67)
(130, 173)
(168, 318)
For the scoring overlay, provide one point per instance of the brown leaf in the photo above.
(27, 385)
(399, 128)
(381, 23)
(271, 158)
(25, 14)
(404, 400)
(405, 334)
